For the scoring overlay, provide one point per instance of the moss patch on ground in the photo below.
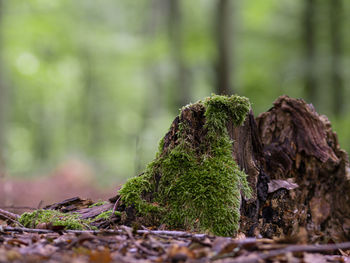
(107, 214)
(55, 218)
(199, 192)
(99, 203)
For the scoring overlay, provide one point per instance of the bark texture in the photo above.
(300, 147)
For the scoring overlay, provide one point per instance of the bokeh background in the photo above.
(87, 88)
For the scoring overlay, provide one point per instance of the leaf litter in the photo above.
(124, 244)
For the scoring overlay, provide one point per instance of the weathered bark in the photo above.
(300, 146)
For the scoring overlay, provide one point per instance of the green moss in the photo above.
(56, 218)
(99, 203)
(200, 192)
(107, 214)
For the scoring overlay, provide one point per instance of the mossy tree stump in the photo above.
(220, 170)
(194, 182)
(297, 173)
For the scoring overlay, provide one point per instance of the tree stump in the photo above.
(298, 177)
(194, 182)
(300, 147)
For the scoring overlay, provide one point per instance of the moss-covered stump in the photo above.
(209, 159)
(219, 170)
(194, 183)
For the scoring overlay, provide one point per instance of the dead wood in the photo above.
(121, 231)
(70, 205)
(300, 147)
(5, 214)
(262, 256)
(10, 217)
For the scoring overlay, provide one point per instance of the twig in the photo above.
(28, 230)
(116, 205)
(110, 231)
(10, 216)
(40, 204)
(292, 248)
(139, 246)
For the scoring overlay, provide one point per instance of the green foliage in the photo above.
(56, 218)
(196, 192)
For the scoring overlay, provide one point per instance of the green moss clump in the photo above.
(200, 192)
(56, 218)
(99, 203)
(107, 214)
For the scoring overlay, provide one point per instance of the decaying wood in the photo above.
(300, 146)
(122, 230)
(70, 205)
(5, 214)
(8, 216)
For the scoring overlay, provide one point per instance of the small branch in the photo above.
(309, 248)
(40, 204)
(292, 248)
(10, 216)
(116, 205)
(139, 246)
(169, 233)
(28, 230)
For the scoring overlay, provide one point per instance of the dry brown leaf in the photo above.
(100, 256)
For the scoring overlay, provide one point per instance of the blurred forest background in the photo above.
(92, 86)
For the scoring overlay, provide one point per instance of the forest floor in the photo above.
(124, 244)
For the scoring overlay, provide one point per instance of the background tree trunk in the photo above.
(309, 28)
(336, 19)
(224, 45)
(182, 93)
(3, 100)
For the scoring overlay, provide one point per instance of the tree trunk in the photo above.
(223, 40)
(182, 92)
(309, 33)
(336, 19)
(2, 96)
